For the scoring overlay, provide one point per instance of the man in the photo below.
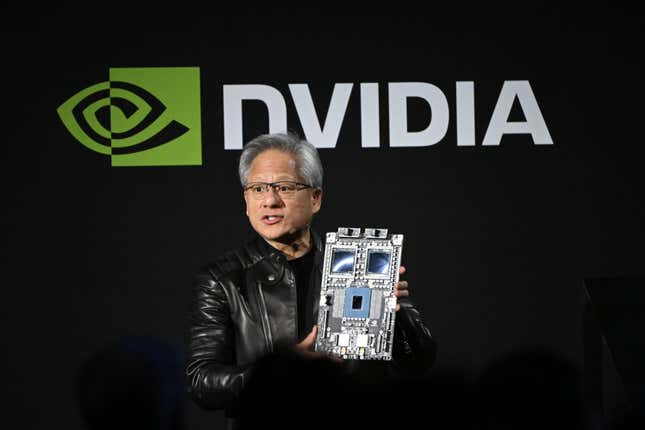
(263, 297)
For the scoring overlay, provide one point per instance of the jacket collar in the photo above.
(269, 262)
(265, 250)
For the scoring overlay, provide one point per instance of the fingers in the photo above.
(401, 285)
(307, 344)
(401, 289)
(311, 337)
(402, 293)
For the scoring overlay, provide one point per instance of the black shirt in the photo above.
(302, 267)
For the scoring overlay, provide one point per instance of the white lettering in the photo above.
(327, 135)
(233, 97)
(465, 113)
(370, 127)
(534, 124)
(399, 92)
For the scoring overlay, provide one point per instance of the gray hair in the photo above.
(307, 159)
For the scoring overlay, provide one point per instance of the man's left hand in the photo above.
(401, 288)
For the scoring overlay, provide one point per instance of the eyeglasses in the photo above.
(285, 189)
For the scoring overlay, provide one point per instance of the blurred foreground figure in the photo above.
(135, 383)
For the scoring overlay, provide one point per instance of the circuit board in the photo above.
(357, 309)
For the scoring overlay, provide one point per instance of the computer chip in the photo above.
(357, 309)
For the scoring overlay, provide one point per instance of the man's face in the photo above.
(275, 218)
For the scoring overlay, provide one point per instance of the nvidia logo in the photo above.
(141, 117)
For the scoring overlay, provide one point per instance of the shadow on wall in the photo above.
(133, 383)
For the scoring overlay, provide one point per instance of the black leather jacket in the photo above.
(245, 308)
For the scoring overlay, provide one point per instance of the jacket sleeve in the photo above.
(214, 380)
(414, 350)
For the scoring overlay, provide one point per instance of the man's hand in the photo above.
(401, 288)
(306, 347)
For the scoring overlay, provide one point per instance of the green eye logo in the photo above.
(140, 117)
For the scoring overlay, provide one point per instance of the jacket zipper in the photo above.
(265, 319)
(292, 285)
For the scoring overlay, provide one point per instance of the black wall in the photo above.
(498, 239)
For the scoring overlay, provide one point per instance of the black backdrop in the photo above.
(498, 239)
